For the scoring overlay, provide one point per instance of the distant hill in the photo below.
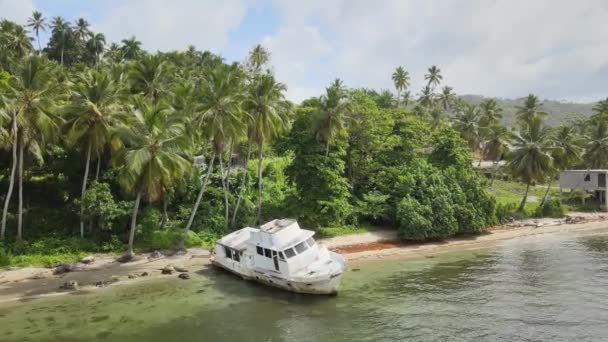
(559, 112)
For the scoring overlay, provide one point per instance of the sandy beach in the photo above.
(32, 282)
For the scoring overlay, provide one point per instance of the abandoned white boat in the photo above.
(283, 255)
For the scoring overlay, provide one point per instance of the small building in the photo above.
(589, 180)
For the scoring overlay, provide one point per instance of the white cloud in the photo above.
(170, 25)
(17, 11)
(504, 48)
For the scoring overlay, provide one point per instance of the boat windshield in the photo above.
(310, 242)
(301, 247)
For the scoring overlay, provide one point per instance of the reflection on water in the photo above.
(553, 288)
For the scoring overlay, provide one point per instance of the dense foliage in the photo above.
(109, 145)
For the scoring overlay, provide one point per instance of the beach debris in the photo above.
(167, 270)
(184, 276)
(155, 255)
(144, 274)
(65, 268)
(88, 260)
(180, 269)
(574, 219)
(70, 285)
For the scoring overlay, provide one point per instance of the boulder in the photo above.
(70, 285)
(88, 260)
(65, 268)
(131, 276)
(184, 276)
(180, 269)
(167, 270)
(155, 255)
(144, 274)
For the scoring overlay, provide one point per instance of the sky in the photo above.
(556, 49)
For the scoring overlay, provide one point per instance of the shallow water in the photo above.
(549, 288)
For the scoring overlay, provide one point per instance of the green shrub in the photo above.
(413, 219)
(167, 239)
(505, 211)
(5, 256)
(551, 208)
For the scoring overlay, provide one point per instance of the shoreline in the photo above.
(36, 282)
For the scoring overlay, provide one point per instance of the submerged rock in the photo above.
(70, 285)
(131, 276)
(184, 276)
(155, 255)
(144, 274)
(167, 270)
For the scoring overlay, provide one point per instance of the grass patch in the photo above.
(342, 230)
(511, 193)
(46, 260)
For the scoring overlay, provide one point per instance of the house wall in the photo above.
(576, 180)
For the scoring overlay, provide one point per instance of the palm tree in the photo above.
(96, 45)
(405, 97)
(532, 108)
(566, 153)
(37, 23)
(34, 90)
(219, 119)
(334, 107)
(530, 160)
(427, 98)
(601, 108)
(131, 48)
(434, 77)
(401, 79)
(148, 76)
(154, 158)
(466, 122)
(258, 57)
(14, 38)
(266, 102)
(91, 114)
(447, 97)
(13, 141)
(491, 113)
(62, 29)
(496, 145)
(596, 151)
(81, 30)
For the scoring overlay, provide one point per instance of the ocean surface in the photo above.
(544, 288)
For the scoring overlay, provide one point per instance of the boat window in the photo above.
(310, 242)
(236, 256)
(260, 250)
(267, 253)
(290, 253)
(281, 256)
(301, 247)
(228, 252)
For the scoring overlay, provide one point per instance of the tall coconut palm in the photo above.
(35, 91)
(601, 108)
(427, 98)
(8, 113)
(96, 45)
(405, 98)
(92, 114)
(131, 48)
(37, 23)
(447, 98)
(491, 113)
(219, 118)
(466, 122)
(496, 145)
(433, 77)
(62, 29)
(401, 80)
(334, 107)
(531, 109)
(258, 57)
(530, 159)
(81, 30)
(596, 150)
(148, 76)
(154, 157)
(566, 153)
(14, 39)
(266, 103)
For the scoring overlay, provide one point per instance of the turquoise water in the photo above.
(553, 288)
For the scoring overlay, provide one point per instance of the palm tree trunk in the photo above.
(165, 217)
(84, 189)
(494, 172)
(398, 97)
(98, 167)
(62, 55)
(226, 205)
(130, 253)
(327, 148)
(180, 244)
(523, 200)
(260, 183)
(243, 186)
(229, 164)
(12, 180)
(542, 202)
(38, 39)
(20, 207)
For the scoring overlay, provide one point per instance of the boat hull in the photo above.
(324, 286)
